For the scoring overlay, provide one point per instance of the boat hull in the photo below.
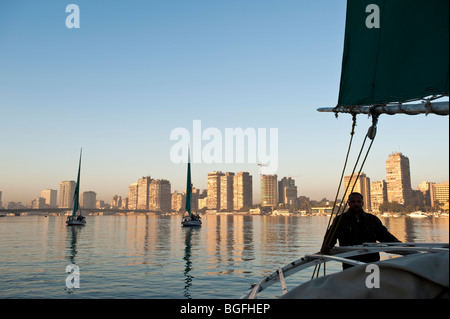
(80, 221)
(75, 223)
(418, 215)
(191, 223)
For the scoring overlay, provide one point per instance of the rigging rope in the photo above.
(371, 133)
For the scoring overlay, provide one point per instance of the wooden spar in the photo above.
(439, 108)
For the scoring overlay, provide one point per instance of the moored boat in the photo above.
(418, 214)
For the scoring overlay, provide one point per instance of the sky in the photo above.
(134, 71)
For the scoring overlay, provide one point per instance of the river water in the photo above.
(152, 256)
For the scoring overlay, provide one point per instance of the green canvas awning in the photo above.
(395, 51)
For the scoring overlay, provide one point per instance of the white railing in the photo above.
(340, 254)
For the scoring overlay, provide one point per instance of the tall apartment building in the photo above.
(269, 192)
(88, 199)
(50, 196)
(362, 186)
(425, 189)
(242, 191)
(38, 203)
(178, 201)
(378, 194)
(226, 191)
(66, 192)
(213, 199)
(1, 199)
(159, 195)
(195, 197)
(398, 179)
(116, 201)
(124, 203)
(143, 192)
(132, 196)
(439, 194)
(287, 191)
(202, 199)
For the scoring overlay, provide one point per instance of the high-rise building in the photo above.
(195, 196)
(88, 199)
(361, 185)
(49, 196)
(398, 179)
(1, 199)
(116, 201)
(66, 192)
(132, 196)
(439, 195)
(124, 203)
(213, 199)
(143, 192)
(202, 199)
(159, 195)
(38, 203)
(226, 192)
(425, 189)
(100, 204)
(178, 201)
(242, 191)
(378, 194)
(269, 191)
(287, 191)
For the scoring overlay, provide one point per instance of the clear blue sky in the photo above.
(136, 70)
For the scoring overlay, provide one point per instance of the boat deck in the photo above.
(341, 254)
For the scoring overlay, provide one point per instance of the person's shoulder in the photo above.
(371, 216)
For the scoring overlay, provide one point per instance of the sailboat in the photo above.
(191, 219)
(383, 74)
(74, 219)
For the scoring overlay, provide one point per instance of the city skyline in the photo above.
(223, 190)
(131, 74)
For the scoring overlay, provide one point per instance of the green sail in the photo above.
(76, 195)
(397, 54)
(189, 186)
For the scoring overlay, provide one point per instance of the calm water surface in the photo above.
(152, 256)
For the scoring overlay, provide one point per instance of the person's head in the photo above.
(356, 202)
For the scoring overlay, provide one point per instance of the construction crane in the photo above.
(260, 168)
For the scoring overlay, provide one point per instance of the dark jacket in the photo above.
(356, 229)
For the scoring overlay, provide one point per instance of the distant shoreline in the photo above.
(67, 212)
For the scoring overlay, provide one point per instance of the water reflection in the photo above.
(229, 243)
(152, 256)
(72, 237)
(189, 232)
(408, 229)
